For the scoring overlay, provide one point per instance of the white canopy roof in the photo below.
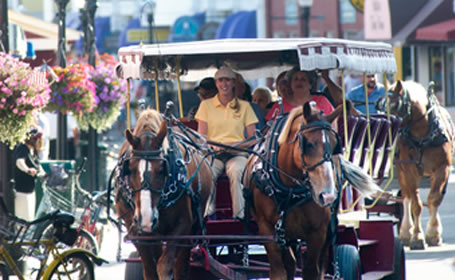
(253, 58)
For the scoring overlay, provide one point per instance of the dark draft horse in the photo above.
(425, 148)
(310, 170)
(162, 189)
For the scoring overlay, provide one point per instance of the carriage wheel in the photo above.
(133, 270)
(348, 262)
(399, 271)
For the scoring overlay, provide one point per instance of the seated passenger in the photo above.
(205, 90)
(262, 97)
(243, 91)
(298, 86)
(375, 91)
(224, 118)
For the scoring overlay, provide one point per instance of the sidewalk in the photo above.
(114, 269)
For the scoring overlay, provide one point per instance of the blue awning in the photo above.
(239, 25)
(186, 28)
(102, 29)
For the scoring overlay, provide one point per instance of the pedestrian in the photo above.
(27, 169)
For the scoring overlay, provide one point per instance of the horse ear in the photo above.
(399, 87)
(162, 133)
(133, 140)
(307, 111)
(335, 113)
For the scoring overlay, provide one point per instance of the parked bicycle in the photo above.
(54, 263)
(89, 211)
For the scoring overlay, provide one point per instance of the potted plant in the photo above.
(108, 99)
(73, 92)
(23, 93)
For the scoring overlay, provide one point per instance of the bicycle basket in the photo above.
(58, 177)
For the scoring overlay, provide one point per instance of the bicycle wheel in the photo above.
(74, 266)
(84, 240)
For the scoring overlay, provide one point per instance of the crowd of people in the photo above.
(230, 112)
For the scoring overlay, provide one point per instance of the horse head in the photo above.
(148, 167)
(403, 95)
(315, 144)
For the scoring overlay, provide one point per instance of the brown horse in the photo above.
(296, 206)
(425, 148)
(162, 190)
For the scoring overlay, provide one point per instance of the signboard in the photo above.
(358, 5)
(376, 19)
(137, 35)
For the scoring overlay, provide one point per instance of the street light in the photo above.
(148, 9)
(306, 7)
(62, 149)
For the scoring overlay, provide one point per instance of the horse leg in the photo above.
(411, 227)
(148, 258)
(166, 261)
(289, 262)
(434, 226)
(315, 244)
(274, 254)
(417, 242)
(182, 263)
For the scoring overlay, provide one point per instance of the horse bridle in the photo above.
(403, 107)
(327, 155)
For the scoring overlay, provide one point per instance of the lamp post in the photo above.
(6, 156)
(88, 23)
(148, 9)
(62, 148)
(306, 9)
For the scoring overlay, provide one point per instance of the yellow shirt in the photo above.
(224, 125)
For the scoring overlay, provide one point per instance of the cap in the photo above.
(224, 72)
(207, 84)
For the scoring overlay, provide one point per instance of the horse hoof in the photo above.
(417, 245)
(433, 241)
(406, 242)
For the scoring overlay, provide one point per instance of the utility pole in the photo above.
(62, 146)
(88, 23)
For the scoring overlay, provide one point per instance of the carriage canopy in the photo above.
(253, 58)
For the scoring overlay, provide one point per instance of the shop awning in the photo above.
(442, 31)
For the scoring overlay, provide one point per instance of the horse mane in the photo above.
(417, 93)
(150, 120)
(288, 125)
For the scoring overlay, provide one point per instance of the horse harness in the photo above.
(265, 173)
(176, 184)
(438, 132)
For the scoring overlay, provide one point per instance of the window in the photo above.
(291, 12)
(450, 83)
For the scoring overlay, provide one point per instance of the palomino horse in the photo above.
(425, 148)
(162, 189)
(295, 202)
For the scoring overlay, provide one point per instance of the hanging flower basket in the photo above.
(22, 96)
(108, 99)
(73, 92)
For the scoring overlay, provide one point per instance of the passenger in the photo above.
(262, 96)
(205, 90)
(27, 169)
(297, 88)
(224, 118)
(375, 91)
(243, 91)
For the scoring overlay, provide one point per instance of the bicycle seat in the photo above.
(63, 219)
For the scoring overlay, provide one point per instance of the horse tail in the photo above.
(359, 179)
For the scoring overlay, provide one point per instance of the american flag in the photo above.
(38, 78)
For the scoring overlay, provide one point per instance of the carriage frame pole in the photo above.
(179, 88)
(157, 93)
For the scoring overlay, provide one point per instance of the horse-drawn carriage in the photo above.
(163, 176)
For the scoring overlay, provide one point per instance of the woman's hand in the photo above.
(32, 172)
